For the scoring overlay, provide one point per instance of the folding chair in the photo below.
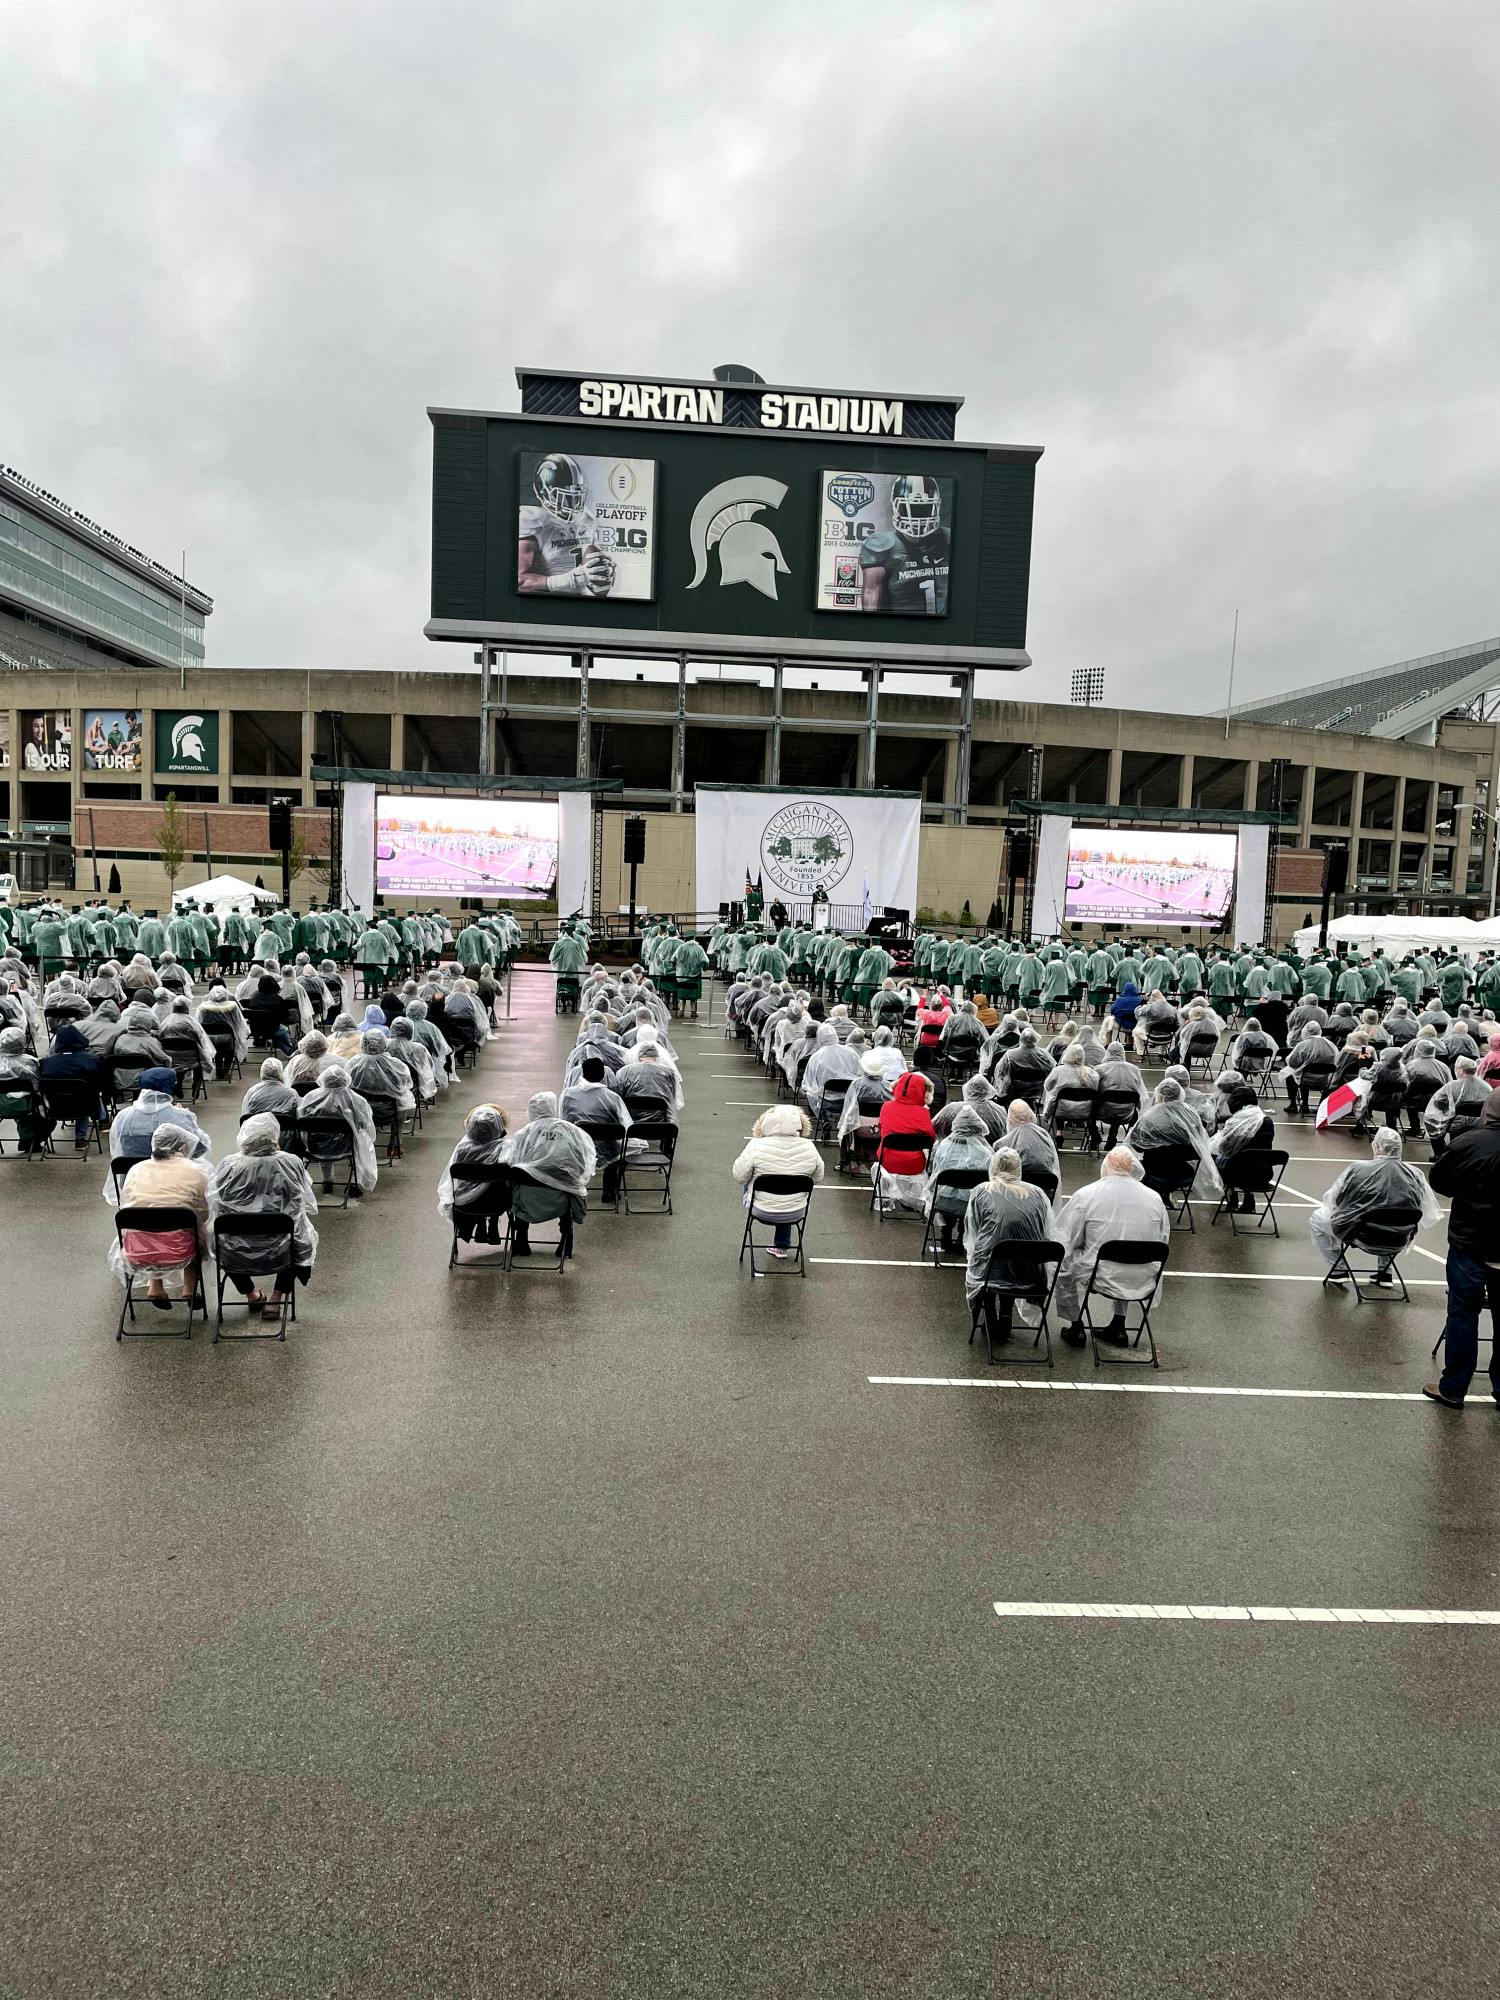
(1252, 1173)
(1384, 1234)
(1314, 1083)
(271, 1228)
(157, 1222)
(323, 1142)
(831, 1109)
(488, 1210)
(1139, 1255)
(1199, 1054)
(656, 1160)
(1170, 1172)
(226, 1062)
(796, 1219)
(1035, 1176)
(898, 1142)
(566, 1000)
(386, 1113)
(262, 1019)
(1075, 1105)
(1159, 1043)
(1019, 1271)
(951, 1177)
(1117, 1111)
(119, 1168)
(288, 1129)
(67, 1100)
(543, 1197)
(603, 1135)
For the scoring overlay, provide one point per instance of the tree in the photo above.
(967, 915)
(171, 841)
(114, 878)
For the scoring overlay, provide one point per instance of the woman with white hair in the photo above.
(259, 1179)
(168, 1178)
(1385, 1180)
(780, 1143)
(1006, 1209)
(1117, 1208)
(1072, 1074)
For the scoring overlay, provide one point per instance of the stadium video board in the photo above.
(568, 531)
(432, 845)
(1119, 877)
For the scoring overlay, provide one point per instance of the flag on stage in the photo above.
(866, 918)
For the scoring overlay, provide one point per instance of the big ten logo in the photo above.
(846, 534)
(612, 535)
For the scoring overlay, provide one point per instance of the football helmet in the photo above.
(558, 486)
(916, 506)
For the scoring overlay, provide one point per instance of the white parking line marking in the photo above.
(1140, 1388)
(1229, 1277)
(1256, 1614)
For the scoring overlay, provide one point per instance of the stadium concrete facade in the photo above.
(1415, 816)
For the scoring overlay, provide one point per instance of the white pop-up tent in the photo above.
(1399, 935)
(222, 893)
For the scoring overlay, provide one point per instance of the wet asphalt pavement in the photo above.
(614, 1635)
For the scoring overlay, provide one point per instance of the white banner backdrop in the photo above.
(850, 845)
(359, 849)
(575, 853)
(1050, 890)
(1250, 884)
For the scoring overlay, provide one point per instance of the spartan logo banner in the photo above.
(187, 741)
(884, 543)
(586, 527)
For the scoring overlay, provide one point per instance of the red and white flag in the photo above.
(1338, 1103)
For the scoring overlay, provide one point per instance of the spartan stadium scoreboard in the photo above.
(732, 518)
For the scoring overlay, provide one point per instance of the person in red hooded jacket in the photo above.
(932, 1017)
(904, 1173)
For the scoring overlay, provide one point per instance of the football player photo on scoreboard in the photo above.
(885, 539)
(587, 525)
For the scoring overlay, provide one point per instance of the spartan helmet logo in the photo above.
(187, 740)
(748, 551)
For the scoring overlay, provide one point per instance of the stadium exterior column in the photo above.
(1252, 783)
(1185, 780)
(960, 755)
(1113, 776)
(1356, 814)
(226, 753)
(584, 746)
(679, 736)
(773, 741)
(486, 723)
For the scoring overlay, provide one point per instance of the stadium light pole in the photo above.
(1233, 649)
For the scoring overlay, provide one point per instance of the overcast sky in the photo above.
(1233, 266)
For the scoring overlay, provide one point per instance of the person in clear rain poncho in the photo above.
(305, 1067)
(222, 1019)
(1385, 1180)
(259, 1179)
(335, 1097)
(593, 1102)
(1005, 1209)
(829, 1059)
(376, 1073)
(417, 1059)
(167, 1178)
(1204, 1102)
(979, 1096)
(965, 1146)
(482, 1145)
(1168, 1125)
(433, 1040)
(561, 1158)
(136, 1047)
(131, 1132)
(1031, 1141)
(272, 1094)
(1115, 1208)
(1457, 1106)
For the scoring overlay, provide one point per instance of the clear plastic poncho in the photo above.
(483, 1145)
(1114, 1208)
(551, 1150)
(260, 1180)
(1173, 1124)
(335, 1097)
(1002, 1210)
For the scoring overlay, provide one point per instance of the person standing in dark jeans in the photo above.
(1469, 1172)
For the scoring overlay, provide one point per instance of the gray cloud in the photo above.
(1232, 266)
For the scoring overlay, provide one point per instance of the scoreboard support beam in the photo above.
(871, 729)
(679, 739)
(585, 752)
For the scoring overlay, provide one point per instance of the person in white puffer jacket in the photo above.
(780, 1143)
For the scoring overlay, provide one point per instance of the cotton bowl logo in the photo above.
(851, 493)
(806, 846)
(187, 740)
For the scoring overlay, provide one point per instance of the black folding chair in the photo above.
(1159, 1042)
(31, 1091)
(1253, 1173)
(1038, 1177)
(484, 1213)
(655, 1161)
(607, 1135)
(557, 1207)
(1170, 1172)
(158, 1221)
(386, 1113)
(1199, 1054)
(119, 1168)
(287, 1127)
(962, 1178)
(1381, 1233)
(226, 1061)
(1117, 1111)
(263, 1018)
(831, 1109)
(1075, 1105)
(897, 1142)
(1140, 1256)
(795, 1219)
(71, 1101)
(323, 1142)
(1020, 1271)
(272, 1229)
(1313, 1084)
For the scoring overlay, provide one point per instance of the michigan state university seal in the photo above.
(806, 846)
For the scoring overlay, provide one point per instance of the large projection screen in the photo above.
(432, 845)
(1148, 880)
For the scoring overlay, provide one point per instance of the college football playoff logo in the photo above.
(806, 846)
(725, 519)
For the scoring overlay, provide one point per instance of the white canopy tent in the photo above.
(223, 893)
(1399, 935)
